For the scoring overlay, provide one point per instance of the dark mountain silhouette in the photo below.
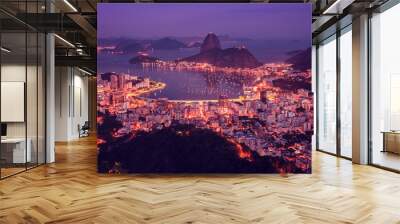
(211, 42)
(142, 59)
(184, 149)
(211, 53)
(167, 44)
(301, 60)
(180, 149)
(230, 57)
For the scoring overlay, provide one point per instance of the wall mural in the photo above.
(204, 88)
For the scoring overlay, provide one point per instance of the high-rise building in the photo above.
(114, 81)
(121, 81)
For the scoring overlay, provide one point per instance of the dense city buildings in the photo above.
(271, 117)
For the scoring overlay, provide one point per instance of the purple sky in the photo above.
(257, 21)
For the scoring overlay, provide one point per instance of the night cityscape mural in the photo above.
(204, 88)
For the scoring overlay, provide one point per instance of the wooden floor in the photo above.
(386, 159)
(70, 191)
(5, 172)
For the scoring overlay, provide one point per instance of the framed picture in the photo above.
(204, 88)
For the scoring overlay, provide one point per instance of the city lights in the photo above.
(260, 119)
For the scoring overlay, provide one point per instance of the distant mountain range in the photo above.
(210, 51)
(129, 46)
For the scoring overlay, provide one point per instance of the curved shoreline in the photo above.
(163, 85)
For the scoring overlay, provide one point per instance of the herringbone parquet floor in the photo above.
(70, 191)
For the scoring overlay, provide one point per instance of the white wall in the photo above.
(17, 73)
(71, 102)
(33, 127)
(10, 73)
(61, 103)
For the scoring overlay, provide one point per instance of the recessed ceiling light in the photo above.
(70, 5)
(64, 40)
(337, 7)
(5, 50)
(84, 71)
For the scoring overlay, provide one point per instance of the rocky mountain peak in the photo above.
(211, 42)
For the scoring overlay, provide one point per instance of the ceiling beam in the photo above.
(86, 27)
(78, 61)
(337, 6)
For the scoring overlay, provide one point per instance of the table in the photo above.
(13, 150)
(391, 141)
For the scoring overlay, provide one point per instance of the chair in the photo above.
(84, 130)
